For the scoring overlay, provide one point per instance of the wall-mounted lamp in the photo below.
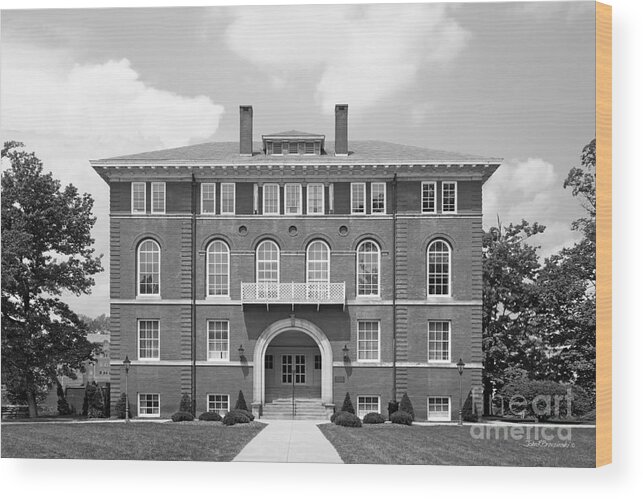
(241, 351)
(345, 350)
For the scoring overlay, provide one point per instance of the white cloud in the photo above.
(359, 54)
(532, 190)
(41, 92)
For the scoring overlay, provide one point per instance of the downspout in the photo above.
(394, 391)
(193, 299)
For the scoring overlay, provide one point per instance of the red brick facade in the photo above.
(402, 309)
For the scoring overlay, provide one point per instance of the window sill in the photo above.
(148, 297)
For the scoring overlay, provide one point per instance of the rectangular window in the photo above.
(368, 340)
(292, 201)
(378, 197)
(358, 198)
(158, 197)
(276, 148)
(439, 408)
(271, 199)
(227, 198)
(366, 404)
(439, 339)
(138, 197)
(148, 340)
(428, 197)
(449, 197)
(149, 405)
(218, 340)
(218, 403)
(269, 362)
(208, 194)
(310, 148)
(292, 147)
(317, 362)
(315, 201)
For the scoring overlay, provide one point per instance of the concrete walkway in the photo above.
(289, 442)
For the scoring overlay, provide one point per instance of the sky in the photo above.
(509, 80)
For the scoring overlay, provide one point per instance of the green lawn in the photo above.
(453, 445)
(152, 441)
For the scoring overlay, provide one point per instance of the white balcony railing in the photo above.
(293, 293)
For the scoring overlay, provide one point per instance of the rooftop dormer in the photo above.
(293, 142)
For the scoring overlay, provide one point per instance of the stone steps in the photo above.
(305, 409)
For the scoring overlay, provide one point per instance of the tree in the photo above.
(567, 286)
(406, 406)
(186, 403)
(347, 406)
(510, 340)
(46, 251)
(241, 402)
(64, 408)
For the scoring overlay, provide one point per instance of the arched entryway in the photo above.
(288, 327)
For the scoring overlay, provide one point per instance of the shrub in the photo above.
(182, 416)
(348, 419)
(234, 417)
(334, 415)
(210, 416)
(120, 407)
(248, 414)
(541, 398)
(64, 409)
(186, 403)
(241, 403)
(401, 417)
(393, 406)
(374, 418)
(406, 406)
(93, 405)
(347, 406)
(469, 410)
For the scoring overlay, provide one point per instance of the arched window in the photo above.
(149, 268)
(268, 270)
(368, 269)
(218, 264)
(318, 262)
(438, 268)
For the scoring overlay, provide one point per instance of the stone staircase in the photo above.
(311, 409)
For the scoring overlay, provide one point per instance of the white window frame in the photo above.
(138, 340)
(379, 270)
(308, 198)
(138, 270)
(428, 341)
(383, 212)
(435, 197)
(214, 198)
(157, 185)
(379, 340)
(234, 198)
(148, 415)
(363, 188)
(134, 210)
(209, 275)
(207, 402)
(361, 414)
(264, 197)
(455, 196)
(450, 263)
(309, 261)
(287, 197)
(441, 418)
(213, 358)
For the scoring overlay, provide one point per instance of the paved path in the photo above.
(290, 442)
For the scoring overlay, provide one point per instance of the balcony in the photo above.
(294, 293)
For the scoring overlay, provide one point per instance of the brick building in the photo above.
(296, 268)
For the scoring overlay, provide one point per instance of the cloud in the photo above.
(43, 93)
(357, 54)
(532, 190)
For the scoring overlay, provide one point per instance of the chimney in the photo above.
(341, 130)
(245, 130)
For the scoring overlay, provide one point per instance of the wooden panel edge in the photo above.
(603, 234)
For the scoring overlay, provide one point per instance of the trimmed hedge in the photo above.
(241, 403)
(348, 419)
(401, 417)
(210, 416)
(334, 415)
(374, 418)
(235, 417)
(185, 405)
(182, 416)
